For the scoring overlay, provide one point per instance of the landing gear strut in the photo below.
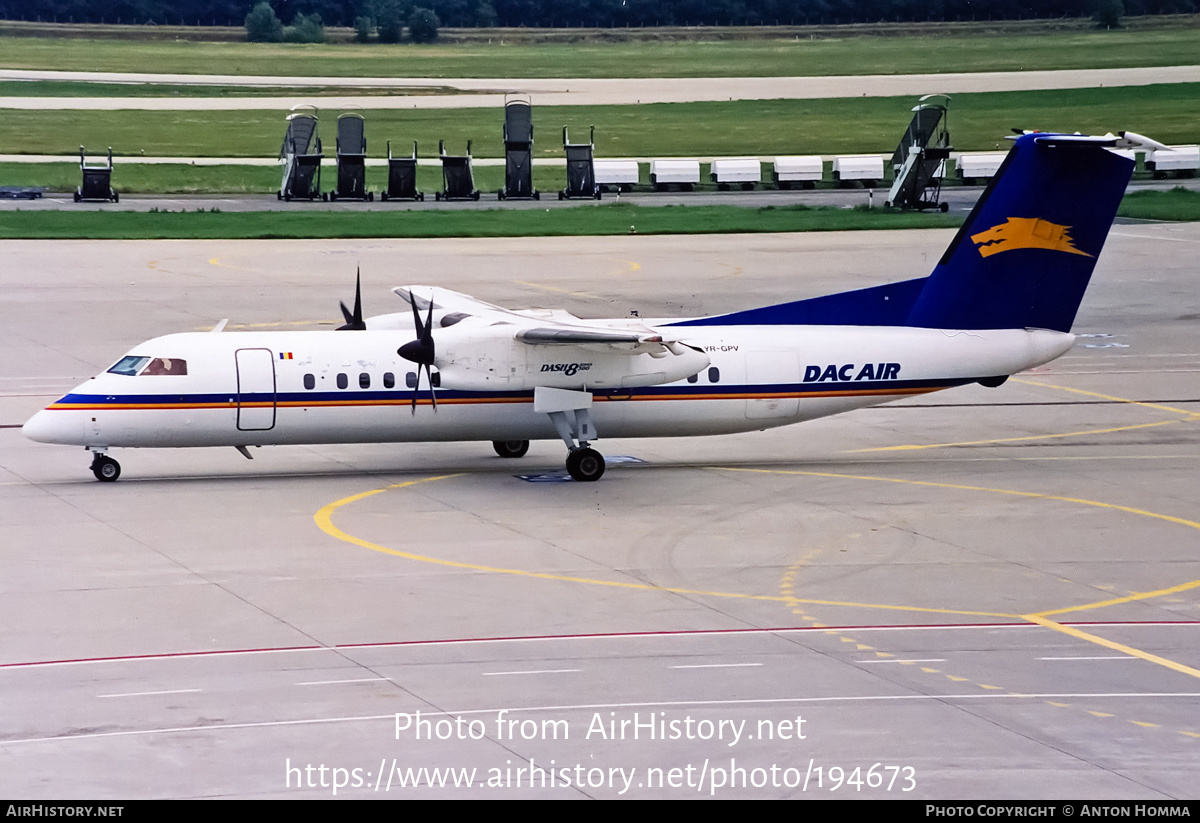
(105, 468)
(511, 448)
(570, 412)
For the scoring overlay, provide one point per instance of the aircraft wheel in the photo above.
(585, 465)
(511, 448)
(105, 468)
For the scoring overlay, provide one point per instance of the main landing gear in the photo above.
(511, 448)
(105, 468)
(585, 464)
(571, 414)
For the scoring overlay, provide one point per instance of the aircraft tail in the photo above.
(1022, 259)
(1026, 252)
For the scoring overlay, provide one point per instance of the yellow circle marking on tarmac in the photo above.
(324, 520)
(1040, 618)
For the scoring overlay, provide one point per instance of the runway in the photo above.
(983, 593)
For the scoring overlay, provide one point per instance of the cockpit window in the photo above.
(129, 365)
(135, 364)
(163, 365)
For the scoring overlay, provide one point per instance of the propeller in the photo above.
(421, 351)
(354, 320)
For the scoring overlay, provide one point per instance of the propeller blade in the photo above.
(421, 351)
(354, 319)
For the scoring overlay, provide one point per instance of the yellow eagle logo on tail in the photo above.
(1025, 233)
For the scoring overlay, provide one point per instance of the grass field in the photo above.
(766, 127)
(605, 218)
(600, 219)
(1177, 45)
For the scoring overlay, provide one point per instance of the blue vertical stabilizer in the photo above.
(1022, 259)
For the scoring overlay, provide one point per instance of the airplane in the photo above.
(1001, 300)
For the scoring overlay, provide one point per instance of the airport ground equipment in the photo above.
(919, 161)
(802, 172)
(864, 168)
(978, 166)
(581, 168)
(458, 181)
(97, 180)
(622, 175)
(301, 156)
(727, 172)
(351, 159)
(1184, 161)
(21, 192)
(679, 175)
(518, 150)
(402, 177)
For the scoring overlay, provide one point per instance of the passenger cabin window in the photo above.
(410, 379)
(342, 381)
(714, 375)
(693, 378)
(389, 380)
(310, 382)
(364, 381)
(163, 365)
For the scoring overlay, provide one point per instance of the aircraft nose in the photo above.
(54, 427)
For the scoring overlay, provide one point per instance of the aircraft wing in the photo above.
(537, 330)
(449, 300)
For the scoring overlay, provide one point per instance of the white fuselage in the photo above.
(268, 388)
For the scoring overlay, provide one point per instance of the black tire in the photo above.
(383, 196)
(585, 465)
(511, 448)
(116, 197)
(370, 197)
(562, 195)
(78, 197)
(474, 195)
(105, 468)
(944, 207)
(278, 195)
(537, 195)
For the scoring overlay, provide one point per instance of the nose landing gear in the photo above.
(105, 468)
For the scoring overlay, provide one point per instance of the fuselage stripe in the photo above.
(299, 400)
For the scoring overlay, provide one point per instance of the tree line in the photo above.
(579, 13)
